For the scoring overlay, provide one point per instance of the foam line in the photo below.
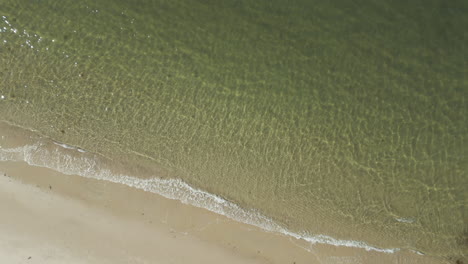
(69, 147)
(59, 160)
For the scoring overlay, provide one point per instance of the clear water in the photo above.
(347, 119)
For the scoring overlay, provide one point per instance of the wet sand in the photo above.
(50, 217)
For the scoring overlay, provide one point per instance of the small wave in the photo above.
(69, 147)
(78, 164)
(405, 220)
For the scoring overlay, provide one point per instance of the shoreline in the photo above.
(44, 227)
(326, 123)
(73, 187)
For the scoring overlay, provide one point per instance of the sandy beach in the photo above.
(39, 224)
(48, 217)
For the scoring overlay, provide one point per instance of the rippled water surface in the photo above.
(345, 119)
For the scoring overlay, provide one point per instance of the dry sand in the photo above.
(57, 218)
(42, 227)
(49, 217)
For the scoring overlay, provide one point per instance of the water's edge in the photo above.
(72, 160)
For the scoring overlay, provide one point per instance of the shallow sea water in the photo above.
(345, 119)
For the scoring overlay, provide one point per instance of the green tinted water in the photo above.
(347, 119)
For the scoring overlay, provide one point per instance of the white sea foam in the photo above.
(87, 166)
(405, 220)
(69, 147)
